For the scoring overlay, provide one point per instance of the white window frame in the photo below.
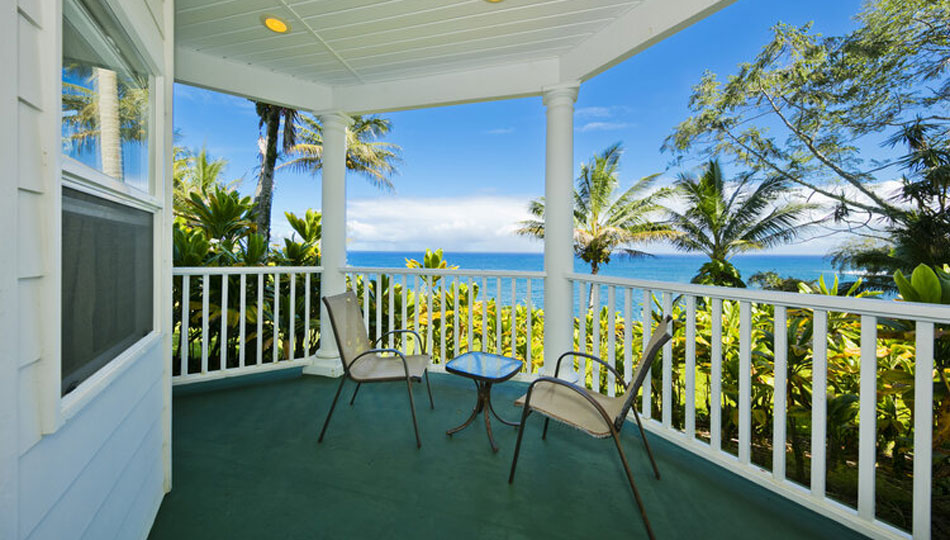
(81, 177)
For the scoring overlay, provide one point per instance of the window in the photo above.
(107, 238)
(106, 98)
(107, 282)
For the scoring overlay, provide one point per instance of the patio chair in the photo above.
(362, 363)
(593, 413)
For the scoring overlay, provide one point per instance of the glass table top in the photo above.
(481, 365)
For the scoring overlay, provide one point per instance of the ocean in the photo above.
(675, 268)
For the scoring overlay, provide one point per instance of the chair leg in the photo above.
(544, 434)
(412, 407)
(514, 460)
(643, 436)
(636, 494)
(429, 389)
(352, 399)
(332, 406)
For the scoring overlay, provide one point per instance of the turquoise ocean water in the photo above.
(676, 268)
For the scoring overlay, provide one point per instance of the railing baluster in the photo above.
(690, 390)
(260, 319)
(923, 429)
(306, 316)
(456, 304)
(275, 341)
(745, 382)
(595, 338)
(469, 316)
(405, 307)
(392, 307)
(715, 392)
(647, 327)
(366, 284)
(416, 310)
(380, 299)
(223, 340)
(867, 414)
(528, 359)
(780, 372)
(292, 316)
(442, 323)
(611, 338)
(627, 335)
(514, 319)
(484, 314)
(498, 308)
(667, 382)
(185, 320)
(819, 400)
(205, 293)
(430, 345)
(583, 310)
(242, 331)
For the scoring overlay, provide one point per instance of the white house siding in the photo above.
(97, 468)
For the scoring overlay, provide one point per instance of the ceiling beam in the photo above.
(486, 84)
(250, 81)
(638, 29)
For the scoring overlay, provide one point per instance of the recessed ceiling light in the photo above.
(275, 24)
(493, 1)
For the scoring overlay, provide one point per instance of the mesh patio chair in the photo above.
(593, 413)
(362, 363)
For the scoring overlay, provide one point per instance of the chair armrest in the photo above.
(573, 387)
(422, 345)
(612, 369)
(364, 354)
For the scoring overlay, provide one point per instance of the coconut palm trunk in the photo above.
(264, 194)
(110, 143)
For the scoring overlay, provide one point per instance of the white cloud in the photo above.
(499, 131)
(476, 223)
(603, 126)
(593, 112)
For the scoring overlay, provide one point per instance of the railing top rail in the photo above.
(859, 306)
(219, 270)
(443, 272)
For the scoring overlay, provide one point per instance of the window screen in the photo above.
(107, 282)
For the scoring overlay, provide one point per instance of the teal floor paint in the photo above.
(246, 464)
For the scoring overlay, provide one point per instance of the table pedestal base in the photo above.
(483, 405)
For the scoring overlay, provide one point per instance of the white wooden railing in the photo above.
(272, 322)
(623, 298)
(450, 314)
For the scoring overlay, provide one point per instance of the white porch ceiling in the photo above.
(367, 45)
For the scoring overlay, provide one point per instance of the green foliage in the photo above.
(926, 284)
(605, 221)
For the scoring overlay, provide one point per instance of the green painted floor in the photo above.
(247, 465)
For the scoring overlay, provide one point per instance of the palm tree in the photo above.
(270, 118)
(374, 159)
(195, 173)
(721, 221)
(606, 223)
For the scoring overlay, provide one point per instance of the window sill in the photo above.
(74, 402)
(80, 176)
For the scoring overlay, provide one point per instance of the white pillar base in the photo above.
(324, 367)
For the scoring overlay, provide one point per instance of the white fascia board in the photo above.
(636, 30)
(486, 84)
(252, 82)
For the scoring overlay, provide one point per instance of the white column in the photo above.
(333, 240)
(558, 222)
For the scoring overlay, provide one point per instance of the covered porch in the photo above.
(247, 465)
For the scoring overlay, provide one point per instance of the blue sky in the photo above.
(468, 171)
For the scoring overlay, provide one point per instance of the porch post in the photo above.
(333, 240)
(558, 222)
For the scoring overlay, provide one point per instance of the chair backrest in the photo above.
(661, 334)
(348, 329)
